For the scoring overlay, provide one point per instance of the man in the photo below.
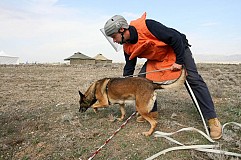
(163, 47)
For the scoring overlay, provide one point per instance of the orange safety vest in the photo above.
(159, 55)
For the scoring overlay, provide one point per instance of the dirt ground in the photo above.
(39, 116)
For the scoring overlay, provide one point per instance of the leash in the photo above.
(202, 148)
(108, 140)
(197, 106)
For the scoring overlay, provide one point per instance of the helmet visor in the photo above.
(116, 46)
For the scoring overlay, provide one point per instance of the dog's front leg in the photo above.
(97, 105)
(123, 112)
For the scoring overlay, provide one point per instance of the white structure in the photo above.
(7, 59)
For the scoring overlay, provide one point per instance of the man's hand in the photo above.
(176, 67)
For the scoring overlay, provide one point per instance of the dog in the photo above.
(107, 91)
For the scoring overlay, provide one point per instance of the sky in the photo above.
(47, 31)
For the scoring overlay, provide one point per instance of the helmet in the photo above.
(114, 24)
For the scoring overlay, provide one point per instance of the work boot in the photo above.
(215, 128)
(140, 119)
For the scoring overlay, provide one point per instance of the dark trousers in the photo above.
(197, 84)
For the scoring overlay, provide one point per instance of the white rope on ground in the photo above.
(163, 134)
(180, 148)
(197, 106)
(202, 148)
(235, 123)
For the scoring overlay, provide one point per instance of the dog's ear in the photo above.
(81, 94)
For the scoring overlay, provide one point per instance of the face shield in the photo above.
(116, 46)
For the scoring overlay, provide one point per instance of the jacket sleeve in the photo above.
(129, 67)
(169, 36)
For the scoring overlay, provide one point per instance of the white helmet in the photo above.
(114, 24)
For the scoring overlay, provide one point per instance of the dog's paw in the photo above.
(146, 134)
(120, 119)
(95, 110)
(111, 118)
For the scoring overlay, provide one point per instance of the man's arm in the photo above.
(129, 67)
(169, 36)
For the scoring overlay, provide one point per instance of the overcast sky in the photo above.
(52, 30)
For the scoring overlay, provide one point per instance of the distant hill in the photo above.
(235, 58)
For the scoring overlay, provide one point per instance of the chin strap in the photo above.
(122, 38)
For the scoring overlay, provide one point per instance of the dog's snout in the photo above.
(82, 109)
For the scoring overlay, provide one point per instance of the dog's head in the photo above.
(84, 103)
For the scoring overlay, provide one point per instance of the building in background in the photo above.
(80, 58)
(100, 59)
(8, 59)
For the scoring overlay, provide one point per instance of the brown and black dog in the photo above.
(140, 90)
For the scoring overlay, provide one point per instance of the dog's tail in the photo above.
(175, 84)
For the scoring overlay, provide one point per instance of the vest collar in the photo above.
(133, 35)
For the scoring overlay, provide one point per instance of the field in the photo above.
(39, 116)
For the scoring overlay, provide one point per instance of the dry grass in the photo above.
(39, 116)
